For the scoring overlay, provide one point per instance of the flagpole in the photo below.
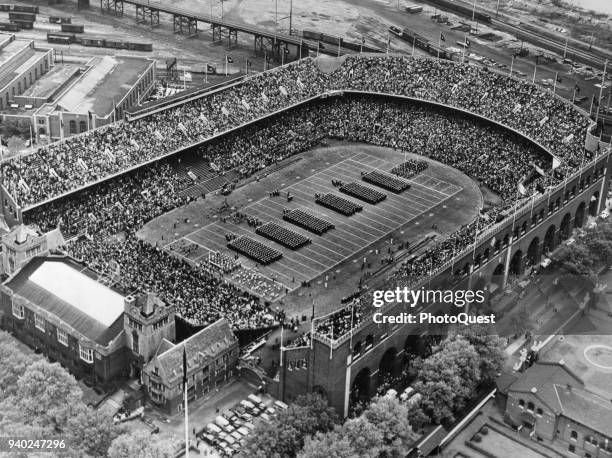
(476, 235)
(512, 65)
(555, 83)
(534, 73)
(439, 43)
(186, 403)
(603, 81)
(413, 44)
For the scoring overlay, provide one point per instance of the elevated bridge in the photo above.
(186, 22)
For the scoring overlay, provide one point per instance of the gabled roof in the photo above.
(99, 322)
(555, 385)
(540, 379)
(586, 408)
(202, 348)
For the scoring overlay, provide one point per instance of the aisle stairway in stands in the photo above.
(207, 179)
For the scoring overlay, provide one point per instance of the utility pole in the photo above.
(290, 16)
(603, 81)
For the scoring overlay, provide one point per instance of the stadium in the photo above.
(328, 158)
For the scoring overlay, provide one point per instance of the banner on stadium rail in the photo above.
(53, 173)
(82, 164)
(543, 120)
(517, 108)
(158, 135)
(119, 205)
(224, 111)
(264, 97)
(300, 84)
(192, 175)
(214, 166)
(539, 170)
(556, 162)
(203, 118)
(283, 91)
(183, 128)
(245, 104)
(568, 139)
(133, 143)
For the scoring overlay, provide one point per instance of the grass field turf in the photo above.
(440, 195)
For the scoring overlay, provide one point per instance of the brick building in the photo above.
(59, 306)
(551, 403)
(212, 356)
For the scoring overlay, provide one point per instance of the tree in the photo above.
(575, 259)
(93, 431)
(390, 417)
(600, 249)
(448, 378)
(14, 364)
(382, 430)
(46, 396)
(285, 434)
(329, 445)
(489, 346)
(141, 444)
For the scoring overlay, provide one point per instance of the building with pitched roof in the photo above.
(62, 308)
(212, 356)
(549, 402)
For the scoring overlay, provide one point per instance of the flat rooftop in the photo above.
(103, 85)
(46, 86)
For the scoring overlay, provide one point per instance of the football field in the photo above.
(351, 234)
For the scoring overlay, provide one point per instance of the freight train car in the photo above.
(23, 24)
(29, 17)
(9, 27)
(73, 28)
(140, 46)
(462, 9)
(26, 9)
(61, 38)
(60, 20)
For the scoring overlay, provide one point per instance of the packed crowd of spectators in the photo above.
(111, 212)
(65, 166)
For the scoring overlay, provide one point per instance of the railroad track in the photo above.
(550, 44)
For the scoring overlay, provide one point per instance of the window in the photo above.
(62, 337)
(530, 406)
(521, 403)
(86, 354)
(539, 412)
(135, 343)
(574, 435)
(39, 322)
(135, 324)
(572, 448)
(18, 311)
(73, 126)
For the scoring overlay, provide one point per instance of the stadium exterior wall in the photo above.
(334, 366)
